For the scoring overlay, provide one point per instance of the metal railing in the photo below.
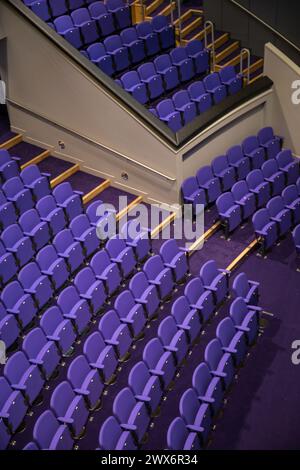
(209, 27)
(246, 52)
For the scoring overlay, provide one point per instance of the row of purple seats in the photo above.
(198, 98)
(148, 379)
(247, 196)
(102, 350)
(117, 52)
(280, 215)
(111, 15)
(236, 164)
(167, 72)
(200, 405)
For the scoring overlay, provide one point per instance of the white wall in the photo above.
(282, 114)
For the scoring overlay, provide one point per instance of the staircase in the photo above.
(227, 49)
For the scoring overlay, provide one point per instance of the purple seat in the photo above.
(145, 387)
(115, 333)
(16, 192)
(226, 174)
(233, 342)
(145, 294)
(174, 340)
(196, 415)
(85, 381)
(8, 166)
(58, 7)
(192, 194)
(50, 434)
(298, 185)
(97, 54)
(152, 79)
(23, 376)
(180, 438)
(105, 20)
(244, 198)
(232, 80)
(260, 187)
(130, 313)
(199, 96)
(19, 303)
(229, 212)
(68, 199)
(296, 238)
(199, 54)
(213, 85)
(165, 30)
(280, 214)
(12, 406)
(100, 356)
(74, 308)
(88, 27)
(175, 258)
(248, 290)
(84, 233)
(245, 318)
(288, 165)
(121, 12)
(106, 271)
(58, 329)
(253, 151)
(31, 446)
(292, 202)
(160, 363)
(167, 113)
(40, 8)
(265, 229)
(185, 106)
(69, 249)
(104, 221)
(216, 280)
(9, 328)
(132, 414)
(270, 142)
(66, 28)
(135, 45)
(49, 212)
(34, 228)
(36, 181)
(121, 254)
(8, 214)
(237, 160)
(8, 265)
(200, 299)
(5, 435)
(69, 408)
(150, 37)
(168, 71)
(73, 4)
(53, 266)
(186, 318)
(41, 352)
(36, 284)
(208, 182)
(274, 176)
(113, 437)
(138, 238)
(209, 389)
(159, 275)
(219, 362)
(119, 53)
(132, 84)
